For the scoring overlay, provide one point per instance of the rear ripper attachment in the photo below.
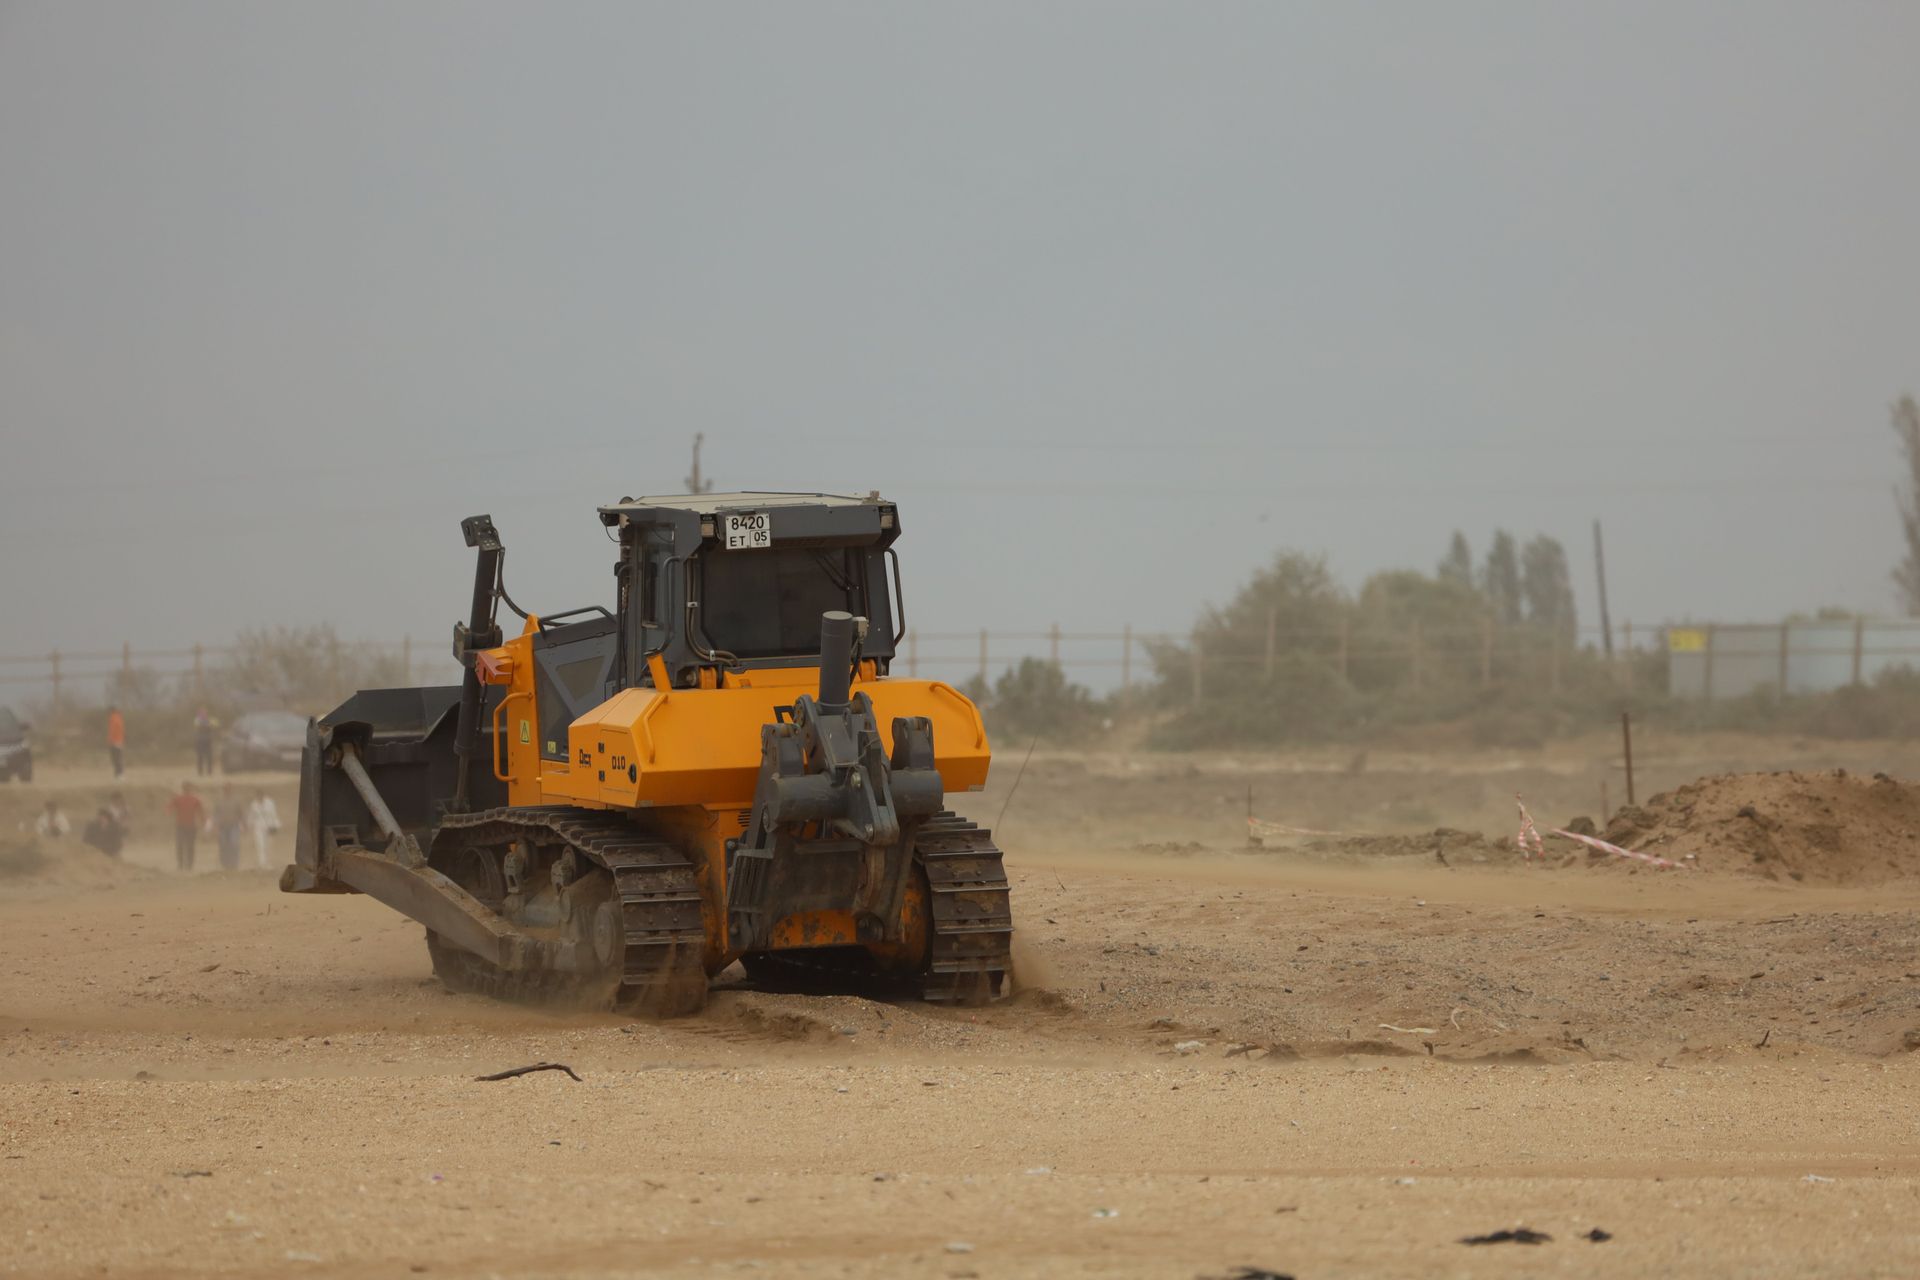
(839, 826)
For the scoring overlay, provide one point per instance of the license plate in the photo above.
(748, 530)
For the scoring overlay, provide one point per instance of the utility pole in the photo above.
(693, 482)
(1600, 571)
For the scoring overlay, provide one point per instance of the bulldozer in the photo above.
(615, 805)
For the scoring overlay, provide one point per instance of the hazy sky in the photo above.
(1116, 300)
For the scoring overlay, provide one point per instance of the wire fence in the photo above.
(63, 674)
(1727, 660)
(1119, 661)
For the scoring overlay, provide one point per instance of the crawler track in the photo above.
(972, 912)
(663, 966)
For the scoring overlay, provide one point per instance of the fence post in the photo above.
(1273, 625)
(1053, 644)
(1126, 660)
(54, 659)
(1859, 648)
(1786, 647)
(1197, 660)
(1627, 652)
(1486, 652)
(913, 653)
(983, 655)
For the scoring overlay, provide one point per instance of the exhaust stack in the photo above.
(836, 658)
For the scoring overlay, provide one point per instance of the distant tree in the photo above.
(1036, 700)
(1458, 564)
(1296, 594)
(1500, 580)
(1906, 425)
(1396, 605)
(1546, 585)
(301, 668)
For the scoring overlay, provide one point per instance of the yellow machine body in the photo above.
(689, 759)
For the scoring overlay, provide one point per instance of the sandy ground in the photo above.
(1219, 1058)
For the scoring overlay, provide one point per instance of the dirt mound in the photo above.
(25, 860)
(1823, 828)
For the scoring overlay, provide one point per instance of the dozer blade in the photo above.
(445, 908)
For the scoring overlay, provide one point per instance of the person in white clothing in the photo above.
(263, 819)
(52, 824)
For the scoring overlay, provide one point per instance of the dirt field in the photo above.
(1335, 1058)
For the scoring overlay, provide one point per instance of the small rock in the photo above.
(1190, 1046)
(959, 1246)
(1106, 1213)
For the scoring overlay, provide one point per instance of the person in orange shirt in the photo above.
(117, 741)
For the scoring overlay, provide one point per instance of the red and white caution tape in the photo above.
(1618, 852)
(1532, 846)
(1258, 828)
(1529, 841)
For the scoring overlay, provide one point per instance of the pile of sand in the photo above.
(1826, 828)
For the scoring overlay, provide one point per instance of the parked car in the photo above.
(16, 747)
(263, 740)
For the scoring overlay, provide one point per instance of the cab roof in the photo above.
(706, 504)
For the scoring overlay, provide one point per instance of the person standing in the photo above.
(52, 824)
(203, 727)
(117, 742)
(263, 819)
(189, 814)
(228, 815)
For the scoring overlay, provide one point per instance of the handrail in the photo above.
(646, 731)
(499, 709)
(979, 725)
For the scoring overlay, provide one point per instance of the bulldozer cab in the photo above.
(738, 581)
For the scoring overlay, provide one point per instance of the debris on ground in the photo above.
(511, 1072)
(1598, 1236)
(1517, 1235)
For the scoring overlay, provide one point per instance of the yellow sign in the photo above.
(526, 732)
(1686, 640)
